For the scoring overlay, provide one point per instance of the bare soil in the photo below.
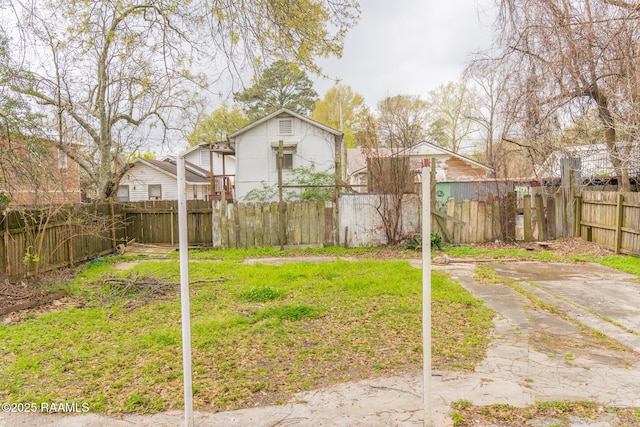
(24, 298)
(562, 247)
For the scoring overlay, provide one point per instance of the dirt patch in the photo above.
(563, 248)
(25, 298)
(574, 349)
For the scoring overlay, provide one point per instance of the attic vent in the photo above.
(285, 127)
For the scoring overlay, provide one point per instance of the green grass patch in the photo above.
(474, 252)
(259, 333)
(626, 263)
(262, 294)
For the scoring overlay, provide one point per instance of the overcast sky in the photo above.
(409, 46)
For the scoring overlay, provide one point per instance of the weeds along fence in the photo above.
(38, 240)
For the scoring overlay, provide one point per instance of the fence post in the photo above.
(528, 231)
(542, 223)
(512, 205)
(570, 179)
(113, 225)
(578, 219)
(216, 233)
(619, 219)
(551, 218)
(70, 235)
(6, 268)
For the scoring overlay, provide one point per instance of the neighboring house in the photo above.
(149, 179)
(205, 164)
(305, 142)
(220, 161)
(595, 163)
(450, 166)
(37, 173)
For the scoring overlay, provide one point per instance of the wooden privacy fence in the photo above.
(254, 225)
(472, 221)
(38, 240)
(546, 218)
(44, 239)
(610, 219)
(156, 222)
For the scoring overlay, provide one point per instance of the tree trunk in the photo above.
(615, 156)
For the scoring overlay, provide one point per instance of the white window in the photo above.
(285, 127)
(123, 193)
(204, 158)
(287, 160)
(288, 150)
(155, 192)
(195, 192)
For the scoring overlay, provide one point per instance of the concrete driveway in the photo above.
(535, 356)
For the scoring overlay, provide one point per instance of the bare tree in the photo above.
(113, 74)
(390, 175)
(451, 109)
(574, 56)
(401, 121)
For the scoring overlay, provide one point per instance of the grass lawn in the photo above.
(259, 333)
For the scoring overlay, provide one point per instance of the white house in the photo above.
(217, 154)
(305, 142)
(157, 180)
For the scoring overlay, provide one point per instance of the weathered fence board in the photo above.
(156, 222)
(611, 219)
(44, 239)
(253, 225)
(38, 240)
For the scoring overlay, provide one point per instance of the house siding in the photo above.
(459, 170)
(256, 157)
(195, 158)
(141, 176)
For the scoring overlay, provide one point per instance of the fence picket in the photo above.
(87, 231)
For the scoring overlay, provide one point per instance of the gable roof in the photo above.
(169, 167)
(285, 111)
(595, 160)
(424, 150)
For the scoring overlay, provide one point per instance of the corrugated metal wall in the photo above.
(361, 223)
(478, 190)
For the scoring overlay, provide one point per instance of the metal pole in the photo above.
(183, 238)
(426, 292)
